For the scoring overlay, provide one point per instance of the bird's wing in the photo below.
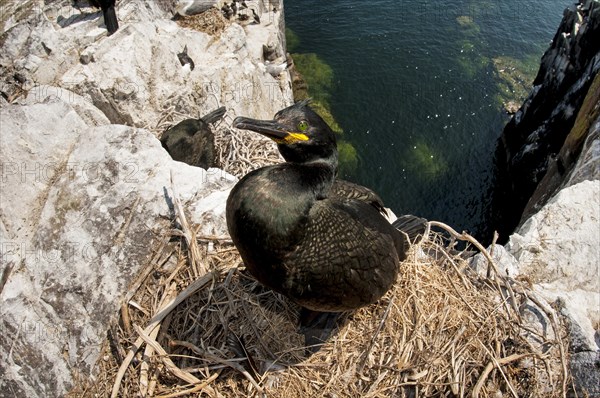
(414, 227)
(347, 258)
(342, 189)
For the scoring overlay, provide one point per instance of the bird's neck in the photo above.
(326, 155)
(322, 171)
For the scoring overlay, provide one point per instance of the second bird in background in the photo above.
(192, 141)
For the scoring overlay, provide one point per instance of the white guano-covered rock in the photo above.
(82, 207)
(86, 189)
(558, 248)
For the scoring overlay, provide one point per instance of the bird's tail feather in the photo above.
(214, 116)
(110, 20)
(414, 227)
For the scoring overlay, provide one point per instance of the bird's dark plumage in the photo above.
(321, 242)
(191, 141)
(255, 17)
(184, 58)
(109, 12)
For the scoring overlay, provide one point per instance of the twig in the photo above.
(183, 375)
(146, 272)
(197, 388)
(7, 270)
(563, 355)
(153, 323)
(374, 337)
(496, 363)
(189, 235)
(126, 318)
(468, 238)
(144, 367)
(211, 357)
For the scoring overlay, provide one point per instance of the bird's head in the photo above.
(300, 133)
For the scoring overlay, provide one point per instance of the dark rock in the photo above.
(539, 128)
(585, 370)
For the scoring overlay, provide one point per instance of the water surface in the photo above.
(418, 95)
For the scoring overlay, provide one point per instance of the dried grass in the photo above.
(211, 22)
(442, 330)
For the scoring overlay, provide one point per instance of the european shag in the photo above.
(321, 242)
(110, 15)
(255, 17)
(184, 58)
(191, 141)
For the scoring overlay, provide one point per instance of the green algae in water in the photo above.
(317, 75)
(319, 79)
(470, 60)
(424, 161)
(468, 25)
(325, 113)
(515, 77)
(292, 40)
(348, 158)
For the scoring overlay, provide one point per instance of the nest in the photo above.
(211, 22)
(196, 324)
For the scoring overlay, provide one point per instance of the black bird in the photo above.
(255, 17)
(110, 15)
(227, 11)
(322, 242)
(184, 58)
(191, 141)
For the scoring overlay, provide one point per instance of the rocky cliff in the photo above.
(87, 191)
(548, 191)
(541, 144)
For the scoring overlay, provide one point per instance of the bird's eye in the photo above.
(302, 126)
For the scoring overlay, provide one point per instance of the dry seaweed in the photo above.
(442, 330)
(211, 22)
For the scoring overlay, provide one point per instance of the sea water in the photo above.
(419, 88)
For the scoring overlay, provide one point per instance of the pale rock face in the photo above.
(558, 248)
(558, 251)
(84, 197)
(81, 213)
(505, 261)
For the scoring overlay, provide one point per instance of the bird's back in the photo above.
(348, 257)
(191, 141)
